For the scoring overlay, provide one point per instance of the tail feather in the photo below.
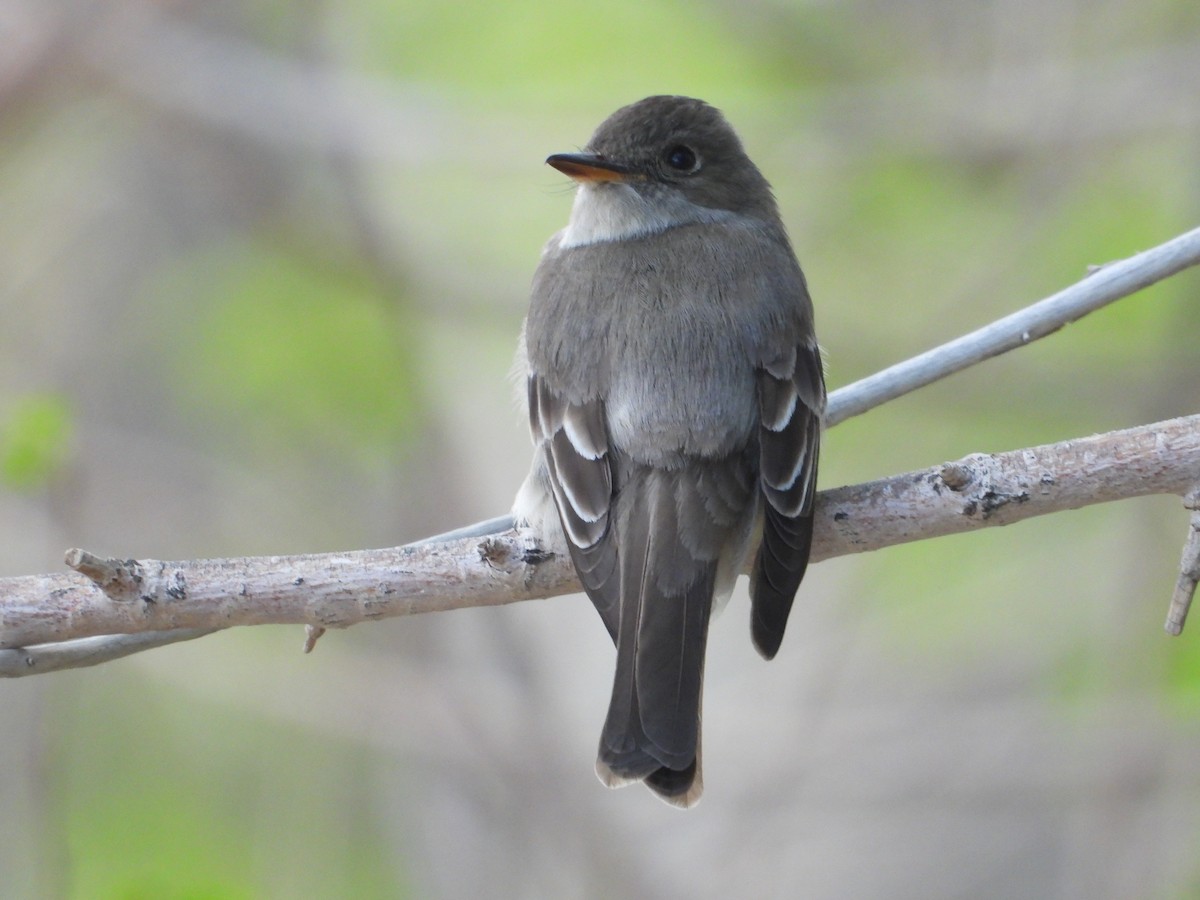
(652, 731)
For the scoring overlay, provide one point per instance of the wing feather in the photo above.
(573, 440)
(791, 391)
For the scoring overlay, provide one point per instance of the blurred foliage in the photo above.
(35, 441)
(140, 825)
(529, 51)
(298, 356)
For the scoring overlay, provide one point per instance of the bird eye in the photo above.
(682, 159)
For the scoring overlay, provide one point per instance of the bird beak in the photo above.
(589, 168)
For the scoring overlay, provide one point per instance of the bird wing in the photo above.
(791, 399)
(574, 441)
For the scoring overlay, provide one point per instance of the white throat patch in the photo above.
(615, 212)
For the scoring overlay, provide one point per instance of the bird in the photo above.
(675, 392)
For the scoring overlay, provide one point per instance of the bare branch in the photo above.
(334, 590)
(1103, 286)
(984, 490)
(89, 651)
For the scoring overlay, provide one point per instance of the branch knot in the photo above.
(120, 580)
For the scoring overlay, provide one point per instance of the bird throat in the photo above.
(612, 211)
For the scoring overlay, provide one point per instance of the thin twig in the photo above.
(90, 651)
(1103, 286)
(1189, 568)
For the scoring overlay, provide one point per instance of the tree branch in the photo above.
(335, 590)
(90, 651)
(141, 604)
(1104, 285)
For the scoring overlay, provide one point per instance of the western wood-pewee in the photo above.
(675, 398)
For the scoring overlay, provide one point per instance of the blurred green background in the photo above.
(262, 268)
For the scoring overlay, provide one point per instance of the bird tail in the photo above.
(652, 732)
